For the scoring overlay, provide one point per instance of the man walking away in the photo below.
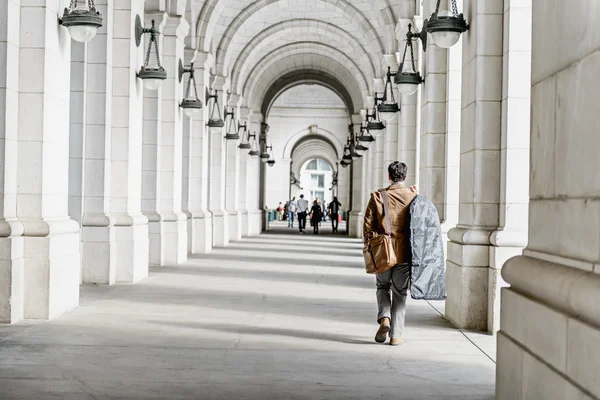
(292, 205)
(302, 209)
(334, 210)
(392, 311)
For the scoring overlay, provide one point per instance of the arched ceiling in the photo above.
(313, 146)
(257, 43)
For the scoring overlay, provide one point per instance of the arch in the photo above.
(385, 16)
(352, 14)
(302, 49)
(300, 77)
(254, 96)
(369, 63)
(310, 149)
(306, 134)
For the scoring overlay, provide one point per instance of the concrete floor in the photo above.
(280, 316)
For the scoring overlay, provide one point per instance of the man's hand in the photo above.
(414, 189)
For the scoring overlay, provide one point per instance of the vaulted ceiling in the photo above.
(263, 46)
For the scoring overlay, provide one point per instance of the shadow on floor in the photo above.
(278, 258)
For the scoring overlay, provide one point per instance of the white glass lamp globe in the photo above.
(445, 39)
(82, 33)
(190, 112)
(368, 144)
(407, 88)
(387, 116)
(152, 84)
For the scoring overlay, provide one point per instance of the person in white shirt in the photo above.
(302, 209)
(292, 206)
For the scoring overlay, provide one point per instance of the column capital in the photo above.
(159, 17)
(357, 119)
(176, 26)
(220, 82)
(203, 59)
(245, 113)
(234, 100)
(256, 117)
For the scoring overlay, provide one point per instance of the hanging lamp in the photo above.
(191, 104)
(82, 20)
(445, 26)
(214, 121)
(152, 73)
(408, 81)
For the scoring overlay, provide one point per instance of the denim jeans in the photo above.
(291, 219)
(395, 279)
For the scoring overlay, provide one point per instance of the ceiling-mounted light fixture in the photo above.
(344, 163)
(254, 153)
(445, 26)
(408, 81)
(214, 121)
(231, 132)
(191, 104)
(152, 73)
(82, 20)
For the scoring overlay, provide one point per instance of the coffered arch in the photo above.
(310, 30)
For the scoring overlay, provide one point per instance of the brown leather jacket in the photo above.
(399, 198)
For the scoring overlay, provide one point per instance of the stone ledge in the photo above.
(570, 290)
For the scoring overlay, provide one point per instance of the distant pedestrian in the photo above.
(302, 210)
(334, 209)
(315, 216)
(292, 206)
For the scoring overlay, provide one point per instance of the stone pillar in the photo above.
(12, 273)
(152, 136)
(243, 177)
(253, 182)
(173, 221)
(50, 239)
(218, 170)
(469, 246)
(131, 226)
(550, 325)
(98, 247)
(408, 124)
(511, 236)
(200, 224)
(232, 178)
(358, 194)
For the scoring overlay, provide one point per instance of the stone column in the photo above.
(511, 236)
(390, 152)
(152, 136)
(232, 178)
(243, 177)
(131, 226)
(98, 247)
(469, 246)
(173, 221)
(550, 325)
(50, 245)
(253, 182)
(200, 224)
(12, 279)
(218, 170)
(358, 194)
(408, 122)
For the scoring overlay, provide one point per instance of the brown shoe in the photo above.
(382, 332)
(396, 341)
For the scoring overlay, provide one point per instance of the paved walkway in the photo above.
(280, 316)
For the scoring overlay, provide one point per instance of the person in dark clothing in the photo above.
(315, 216)
(334, 210)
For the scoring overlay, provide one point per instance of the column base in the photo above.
(12, 280)
(200, 233)
(467, 285)
(51, 275)
(220, 229)
(244, 222)
(356, 224)
(254, 223)
(235, 229)
(498, 256)
(168, 242)
(98, 255)
(132, 252)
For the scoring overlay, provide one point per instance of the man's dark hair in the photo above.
(397, 171)
(301, 196)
